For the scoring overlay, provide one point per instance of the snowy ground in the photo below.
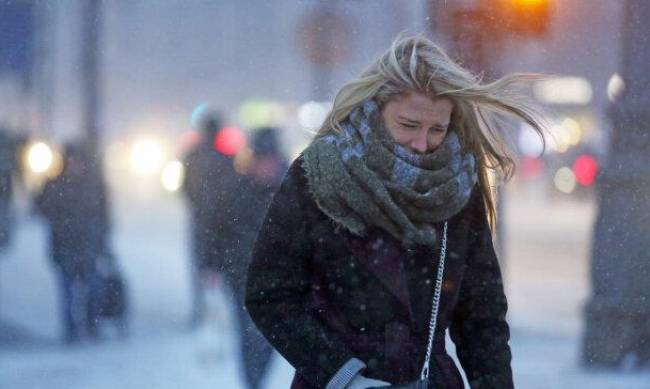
(546, 276)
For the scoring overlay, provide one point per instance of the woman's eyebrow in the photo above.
(402, 118)
(405, 119)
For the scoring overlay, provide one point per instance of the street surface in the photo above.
(546, 270)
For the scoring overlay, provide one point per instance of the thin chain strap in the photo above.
(435, 305)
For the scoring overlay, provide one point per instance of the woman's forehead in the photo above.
(420, 106)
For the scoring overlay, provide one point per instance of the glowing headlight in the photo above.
(40, 157)
(146, 157)
(172, 176)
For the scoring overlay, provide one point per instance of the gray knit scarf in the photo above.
(362, 178)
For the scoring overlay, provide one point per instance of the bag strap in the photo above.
(435, 304)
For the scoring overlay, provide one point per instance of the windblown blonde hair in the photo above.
(414, 63)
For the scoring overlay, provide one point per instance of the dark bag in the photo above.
(112, 296)
(112, 288)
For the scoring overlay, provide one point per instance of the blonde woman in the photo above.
(379, 238)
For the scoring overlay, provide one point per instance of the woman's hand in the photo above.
(361, 382)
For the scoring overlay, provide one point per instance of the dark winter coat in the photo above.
(9, 169)
(322, 296)
(211, 185)
(76, 209)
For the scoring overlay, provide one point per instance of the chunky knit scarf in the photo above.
(362, 178)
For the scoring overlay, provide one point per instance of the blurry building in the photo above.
(160, 60)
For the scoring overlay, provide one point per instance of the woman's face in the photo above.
(417, 121)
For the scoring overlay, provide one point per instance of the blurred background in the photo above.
(133, 83)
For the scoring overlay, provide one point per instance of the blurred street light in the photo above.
(564, 90)
(256, 113)
(39, 157)
(560, 139)
(615, 87)
(565, 180)
(525, 17)
(585, 169)
(229, 141)
(40, 162)
(573, 130)
(146, 157)
(172, 176)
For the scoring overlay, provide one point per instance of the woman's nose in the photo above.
(420, 143)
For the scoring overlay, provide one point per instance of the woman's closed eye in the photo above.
(412, 126)
(409, 126)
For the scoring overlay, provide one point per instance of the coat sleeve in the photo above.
(279, 288)
(479, 328)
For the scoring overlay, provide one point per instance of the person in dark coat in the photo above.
(75, 206)
(210, 186)
(259, 182)
(379, 238)
(9, 169)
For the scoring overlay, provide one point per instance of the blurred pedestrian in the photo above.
(75, 206)
(210, 186)
(261, 179)
(378, 239)
(9, 168)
